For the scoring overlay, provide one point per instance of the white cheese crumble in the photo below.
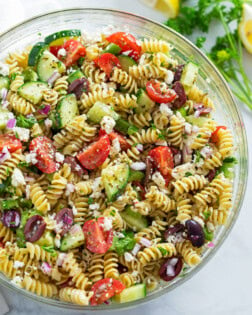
(179, 171)
(94, 206)
(138, 166)
(206, 152)
(96, 188)
(107, 225)
(199, 220)
(107, 124)
(70, 188)
(31, 158)
(48, 123)
(62, 52)
(128, 257)
(17, 178)
(188, 128)
(164, 109)
(169, 77)
(4, 69)
(115, 148)
(57, 241)
(6, 155)
(158, 179)
(17, 281)
(23, 133)
(59, 157)
(18, 264)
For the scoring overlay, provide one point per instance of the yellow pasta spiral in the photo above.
(189, 183)
(146, 71)
(111, 265)
(199, 96)
(159, 200)
(184, 209)
(38, 253)
(175, 131)
(84, 188)
(218, 217)
(141, 120)
(155, 230)
(90, 71)
(19, 104)
(188, 252)
(203, 136)
(56, 189)
(6, 234)
(39, 287)
(142, 207)
(92, 52)
(225, 142)
(213, 162)
(75, 296)
(161, 121)
(156, 252)
(61, 85)
(124, 102)
(130, 278)
(143, 136)
(155, 45)
(117, 221)
(16, 83)
(163, 60)
(36, 130)
(96, 268)
(123, 78)
(50, 97)
(39, 199)
(225, 198)
(7, 266)
(88, 99)
(8, 166)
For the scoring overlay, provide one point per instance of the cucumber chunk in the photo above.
(74, 76)
(74, 238)
(46, 239)
(125, 127)
(48, 64)
(189, 74)
(32, 91)
(4, 117)
(130, 294)
(135, 176)
(145, 104)
(4, 82)
(115, 179)
(134, 219)
(99, 110)
(58, 38)
(66, 110)
(112, 49)
(35, 53)
(126, 62)
(29, 75)
(198, 121)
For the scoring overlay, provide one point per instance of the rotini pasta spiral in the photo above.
(160, 200)
(61, 85)
(146, 71)
(20, 105)
(96, 268)
(111, 265)
(38, 198)
(75, 296)
(155, 46)
(175, 131)
(141, 120)
(87, 100)
(39, 287)
(96, 75)
(155, 252)
(123, 78)
(189, 183)
(189, 254)
(8, 166)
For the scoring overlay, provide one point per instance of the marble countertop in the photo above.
(223, 287)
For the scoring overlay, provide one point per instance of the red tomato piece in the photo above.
(124, 145)
(126, 42)
(95, 154)
(104, 289)
(75, 50)
(163, 160)
(45, 154)
(54, 50)
(153, 88)
(107, 62)
(11, 142)
(214, 136)
(98, 239)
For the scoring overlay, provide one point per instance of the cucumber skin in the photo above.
(4, 82)
(144, 102)
(21, 91)
(141, 221)
(43, 71)
(72, 241)
(130, 294)
(66, 33)
(35, 53)
(112, 49)
(126, 62)
(58, 118)
(94, 115)
(29, 75)
(125, 127)
(75, 75)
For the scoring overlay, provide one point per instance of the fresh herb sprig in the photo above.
(227, 52)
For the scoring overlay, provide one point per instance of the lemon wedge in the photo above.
(245, 27)
(168, 7)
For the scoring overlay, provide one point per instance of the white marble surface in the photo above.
(223, 287)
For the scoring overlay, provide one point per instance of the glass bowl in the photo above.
(93, 21)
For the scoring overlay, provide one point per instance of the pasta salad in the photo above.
(114, 176)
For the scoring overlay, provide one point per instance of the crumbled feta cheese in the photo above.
(136, 249)
(128, 257)
(169, 77)
(188, 128)
(96, 213)
(17, 178)
(94, 206)
(60, 259)
(206, 152)
(62, 52)
(18, 264)
(135, 273)
(17, 281)
(23, 133)
(139, 147)
(4, 69)
(70, 188)
(96, 188)
(158, 179)
(119, 235)
(195, 129)
(5, 155)
(164, 109)
(138, 166)
(48, 123)
(127, 52)
(31, 158)
(107, 225)
(115, 148)
(210, 227)
(57, 240)
(107, 124)
(161, 142)
(59, 157)
(179, 171)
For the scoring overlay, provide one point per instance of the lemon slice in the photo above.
(168, 7)
(245, 27)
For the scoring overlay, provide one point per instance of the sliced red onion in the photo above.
(210, 245)
(139, 147)
(11, 123)
(4, 93)
(46, 268)
(45, 110)
(136, 249)
(201, 110)
(4, 157)
(145, 242)
(61, 258)
(53, 77)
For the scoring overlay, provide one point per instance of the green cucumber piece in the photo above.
(145, 104)
(35, 53)
(48, 64)
(126, 62)
(182, 111)
(130, 294)
(228, 167)
(47, 239)
(72, 239)
(74, 76)
(135, 176)
(198, 121)
(134, 220)
(32, 91)
(112, 49)
(189, 74)
(4, 117)
(58, 38)
(66, 110)
(99, 110)
(115, 179)
(125, 127)
(29, 75)
(208, 235)
(4, 82)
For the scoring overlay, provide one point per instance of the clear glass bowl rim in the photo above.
(59, 304)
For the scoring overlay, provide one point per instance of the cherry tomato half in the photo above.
(98, 240)
(124, 145)
(104, 289)
(126, 42)
(157, 94)
(107, 62)
(11, 142)
(54, 49)
(214, 136)
(75, 50)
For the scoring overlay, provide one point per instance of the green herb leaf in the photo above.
(25, 122)
(50, 249)
(187, 174)
(163, 251)
(122, 245)
(90, 200)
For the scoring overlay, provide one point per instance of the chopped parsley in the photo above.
(163, 251)
(122, 245)
(90, 200)
(25, 122)
(187, 174)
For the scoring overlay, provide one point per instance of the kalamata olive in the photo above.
(181, 96)
(177, 228)
(68, 283)
(34, 228)
(211, 175)
(75, 166)
(178, 72)
(121, 268)
(171, 268)
(11, 219)
(79, 86)
(65, 219)
(148, 170)
(195, 233)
